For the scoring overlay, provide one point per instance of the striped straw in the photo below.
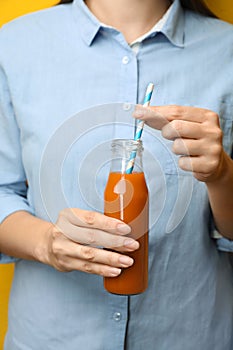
(146, 103)
(139, 129)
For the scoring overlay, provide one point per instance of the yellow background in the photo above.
(6, 273)
(9, 9)
(222, 8)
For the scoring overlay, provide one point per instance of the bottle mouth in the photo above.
(129, 145)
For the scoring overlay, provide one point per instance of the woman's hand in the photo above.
(196, 136)
(74, 243)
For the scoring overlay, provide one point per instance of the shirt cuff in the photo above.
(12, 204)
(5, 259)
(224, 244)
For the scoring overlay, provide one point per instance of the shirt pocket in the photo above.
(224, 109)
(179, 191)
(171, 189)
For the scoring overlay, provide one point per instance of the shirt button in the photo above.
(126, 106)
(125, 60)
(117, 316)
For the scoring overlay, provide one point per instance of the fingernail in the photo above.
(114, 272)
(139, 113)
(130, 243)
(122, 228)
(126, 261)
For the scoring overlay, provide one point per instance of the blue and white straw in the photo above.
(139, 129)
(146, 103)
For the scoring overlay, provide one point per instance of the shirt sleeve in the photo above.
(13, 188)
(223, 244)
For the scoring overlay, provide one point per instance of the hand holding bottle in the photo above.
(76, 241)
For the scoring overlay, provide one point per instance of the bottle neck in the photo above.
(124, 153)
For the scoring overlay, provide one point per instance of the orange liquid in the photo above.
(132, 208)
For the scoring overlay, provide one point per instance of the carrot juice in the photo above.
(126, 198)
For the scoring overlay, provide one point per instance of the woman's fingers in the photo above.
(74, 242)
(68, 256)
(100, 231)
(155, 119)
(182, 129)
(92, 219)
(99, 238)
(196, 135)
(95, 229)
(158, 116)
(186, 147)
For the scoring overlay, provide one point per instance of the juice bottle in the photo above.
(126, 198)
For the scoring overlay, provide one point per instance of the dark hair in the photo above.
(194, 5)
(197, 6)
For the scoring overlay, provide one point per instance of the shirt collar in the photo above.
(173, 29)
(87, 23)
(89, 26)
(156, 28)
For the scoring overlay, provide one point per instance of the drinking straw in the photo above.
(139, 129)
(146, 103)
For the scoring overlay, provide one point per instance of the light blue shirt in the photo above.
(66, 89)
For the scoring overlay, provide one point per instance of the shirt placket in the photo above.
(117, 322)
(128, 72)
(128, 94)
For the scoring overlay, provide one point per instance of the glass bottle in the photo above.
(126, 198)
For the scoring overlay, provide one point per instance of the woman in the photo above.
(81, 55)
